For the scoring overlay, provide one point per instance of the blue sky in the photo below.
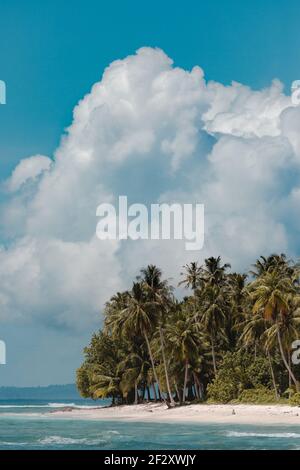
(52, 52)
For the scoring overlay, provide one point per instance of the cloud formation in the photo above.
(28, 169)
(154, 132)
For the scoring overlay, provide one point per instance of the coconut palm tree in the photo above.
(213, 272)
(192, 276)
(212, 315)
(134, 369)
(104, 381)
(253, 330)
(284, 331)
(98, 377)
(137, 318)
(235, 290)
(158, 294)
(184, 337)
(113, 307)
(273, 262)
(271, 294)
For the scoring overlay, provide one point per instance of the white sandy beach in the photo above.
(251, 414)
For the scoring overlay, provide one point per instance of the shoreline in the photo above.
(193, 414)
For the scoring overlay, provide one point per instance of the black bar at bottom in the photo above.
(137, 458)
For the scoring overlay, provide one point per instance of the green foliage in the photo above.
(259, 395)
(83, 382)
(295, 399)
(98, 376)
(238, 371)
(220, 391)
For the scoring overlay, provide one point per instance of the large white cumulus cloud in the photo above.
(157, 133)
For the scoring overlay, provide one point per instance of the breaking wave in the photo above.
(51, 405)
(287, 435)
(60, 440)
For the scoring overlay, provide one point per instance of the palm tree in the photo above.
(213, 271)
(158, 293)
(285, 331)
(235, 287)
(116, 304)
(271, 293)
(212, 315)
(98, 376)
(134, 369)
(104, 381)
(138, 317)
(273, 262)
(254, 329)
(192, 275)
(183, 335)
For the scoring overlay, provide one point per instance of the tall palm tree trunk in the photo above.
(213, 354)
(185, 379)
(286, 363)
(290, 381)
(199, 386)
(272, 375)
(177, 391)
(136, 396)
(196, 386)
(153, 366)
(165, 366)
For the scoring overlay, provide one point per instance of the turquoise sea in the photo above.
(28, 425)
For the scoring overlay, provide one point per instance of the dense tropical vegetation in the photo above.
(230, 339)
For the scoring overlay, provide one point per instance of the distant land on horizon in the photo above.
(51, 392)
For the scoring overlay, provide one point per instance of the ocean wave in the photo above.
(73, 405)
(60, 440)
(57, 440)
(51, 405)
(288, 435)
(15, 444)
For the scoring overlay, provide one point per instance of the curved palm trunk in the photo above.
(152, 363)
(286, 363)
(272, 375)
(185, 379)
(213, 354)
(165, 366)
